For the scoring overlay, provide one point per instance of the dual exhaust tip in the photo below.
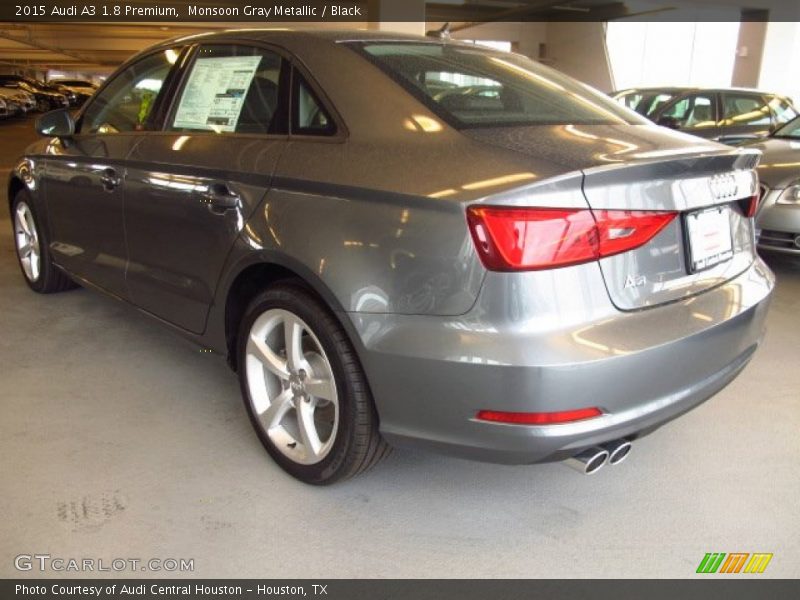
(591, 460)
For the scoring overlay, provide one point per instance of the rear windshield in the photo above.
(472, 87)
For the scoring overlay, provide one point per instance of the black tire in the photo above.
(50, 278)
(358, 445)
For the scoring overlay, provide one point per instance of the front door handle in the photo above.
(220, 197)
(109, 179)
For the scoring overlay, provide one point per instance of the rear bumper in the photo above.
(541, 349)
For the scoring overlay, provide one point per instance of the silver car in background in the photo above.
(22, 101)
(778, 220)
(517, 270)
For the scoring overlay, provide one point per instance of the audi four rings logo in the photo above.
(724, 186)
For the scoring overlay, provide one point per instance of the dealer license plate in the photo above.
(710, 237)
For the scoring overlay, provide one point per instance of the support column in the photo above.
(579, 50)
(749, 49)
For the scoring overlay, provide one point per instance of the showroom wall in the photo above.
(781, 59)
(673, 54)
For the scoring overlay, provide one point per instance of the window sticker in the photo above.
(215, 93)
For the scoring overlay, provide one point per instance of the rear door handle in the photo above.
(109, 179)
(220, 197)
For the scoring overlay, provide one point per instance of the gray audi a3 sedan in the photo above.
(532, 273)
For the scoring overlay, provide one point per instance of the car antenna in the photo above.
(443, 33)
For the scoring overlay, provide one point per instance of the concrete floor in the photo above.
(119, 439)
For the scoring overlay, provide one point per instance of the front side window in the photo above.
(127, 102)
(472, 87)
(654, 103)
(631, 100)
(783, 110)
(745, 110)
(790, 131)
(692, 112)
(233, 89)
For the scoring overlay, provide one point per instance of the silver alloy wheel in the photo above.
(291, 386)
(27, 240)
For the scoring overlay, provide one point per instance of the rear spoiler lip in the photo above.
(738, 158)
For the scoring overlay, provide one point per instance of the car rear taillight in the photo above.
(521, 239)
(538, 418)
(750, 206)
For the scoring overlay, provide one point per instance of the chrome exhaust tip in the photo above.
(589, 461)
(618, 450)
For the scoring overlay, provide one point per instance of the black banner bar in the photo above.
(735, 588)
(272, 12)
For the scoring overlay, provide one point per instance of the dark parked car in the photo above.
(547, 276)
(778, 219)
(82, 85)
(76, 90)
(46, 97)
(726, 115)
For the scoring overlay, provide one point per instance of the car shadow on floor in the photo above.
(782, 264)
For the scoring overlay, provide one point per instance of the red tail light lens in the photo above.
(509, 239)
(624, 230)
(539, 418)
(520, 239)
(751, 207)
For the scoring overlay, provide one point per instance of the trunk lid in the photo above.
(647, 168)
(710, 192)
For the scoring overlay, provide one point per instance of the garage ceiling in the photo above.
(98, 48)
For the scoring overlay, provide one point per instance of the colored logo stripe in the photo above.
(734, 562)
(712, 562)
(758, 562)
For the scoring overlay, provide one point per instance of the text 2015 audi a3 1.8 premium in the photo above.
(405, 241)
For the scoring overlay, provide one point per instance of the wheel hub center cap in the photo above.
(297, 384)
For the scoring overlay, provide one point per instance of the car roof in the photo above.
(286, 35)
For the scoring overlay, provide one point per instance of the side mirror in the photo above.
(670, 122)
(56, 123)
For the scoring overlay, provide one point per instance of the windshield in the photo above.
(790, 130)
(472, 87)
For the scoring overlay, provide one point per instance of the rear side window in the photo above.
(695, 111)
(127, 101)
(309, 116)
(473, 87)
(233, 89)
(744, 110)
